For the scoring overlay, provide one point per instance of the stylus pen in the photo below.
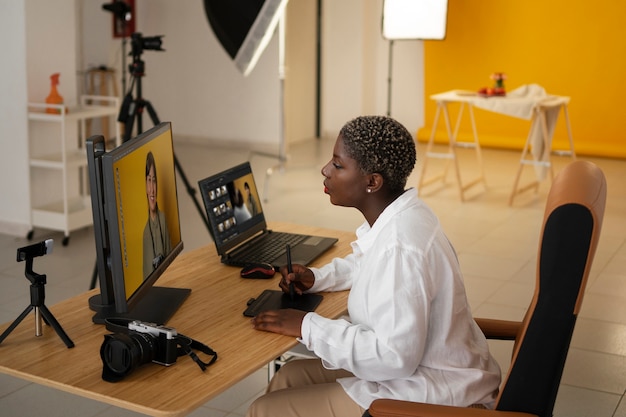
(292, 290)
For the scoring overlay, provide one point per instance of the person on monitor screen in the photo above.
(410, 334)
(251, 204)
(240, 210)
(156, 237)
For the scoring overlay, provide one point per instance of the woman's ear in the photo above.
(375, 182)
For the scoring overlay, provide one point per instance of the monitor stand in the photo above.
(158, 305)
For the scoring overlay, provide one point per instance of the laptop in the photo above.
(239, 228)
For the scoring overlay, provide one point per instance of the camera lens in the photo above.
(153, 42)
(121, 353)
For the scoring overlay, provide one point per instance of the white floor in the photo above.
(496, 244)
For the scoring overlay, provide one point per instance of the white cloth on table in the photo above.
(538, 145)
(517, 103)
(521, 103)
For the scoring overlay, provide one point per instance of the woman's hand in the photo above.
(302, 277)
(285, 321)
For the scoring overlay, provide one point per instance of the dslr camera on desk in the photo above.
(135, 343)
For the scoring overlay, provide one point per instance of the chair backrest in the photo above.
(571, 228)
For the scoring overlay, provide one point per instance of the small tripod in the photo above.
(37, 294)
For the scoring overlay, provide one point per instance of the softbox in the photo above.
(244, 27)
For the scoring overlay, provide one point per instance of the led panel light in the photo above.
(415, 19)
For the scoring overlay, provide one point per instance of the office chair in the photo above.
(570, 232)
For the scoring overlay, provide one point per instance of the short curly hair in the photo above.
(380, 144)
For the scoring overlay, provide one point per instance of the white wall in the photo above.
(14, 177)
(51, 47)
(194, 83)
(355, 67)
(40, 39)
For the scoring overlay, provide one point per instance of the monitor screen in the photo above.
(233, 206)
(135, 207)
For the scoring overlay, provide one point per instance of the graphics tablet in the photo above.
(276, 300)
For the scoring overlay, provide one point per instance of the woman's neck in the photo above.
(377, 205)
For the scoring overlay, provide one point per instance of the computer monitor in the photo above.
(136, 226)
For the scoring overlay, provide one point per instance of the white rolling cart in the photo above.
(59, 152)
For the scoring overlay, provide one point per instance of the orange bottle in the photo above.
(54, 97)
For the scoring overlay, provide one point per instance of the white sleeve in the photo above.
(334, 276)
(389, 305)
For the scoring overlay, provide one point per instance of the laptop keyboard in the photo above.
(268, 249)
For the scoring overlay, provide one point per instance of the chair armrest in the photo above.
(396, 408)
(499, 329)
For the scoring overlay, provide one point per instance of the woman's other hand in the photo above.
(286, 321)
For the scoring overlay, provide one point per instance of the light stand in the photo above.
(389, 72)
(282, 144)
(123, 13)
(37, 294)
(245, 28)
(282, 156)
(410, 19)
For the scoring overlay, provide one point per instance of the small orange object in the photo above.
(54, 97)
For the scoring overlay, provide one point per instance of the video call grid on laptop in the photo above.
(239, 228)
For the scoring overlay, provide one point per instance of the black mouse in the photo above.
(258, 270)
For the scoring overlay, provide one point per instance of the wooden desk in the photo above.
(213, 314)
(539, 138)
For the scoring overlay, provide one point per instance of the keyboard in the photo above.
(266, 249)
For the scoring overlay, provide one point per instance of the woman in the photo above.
(156, 237)
(411, 335)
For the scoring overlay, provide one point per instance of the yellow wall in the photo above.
(573, 48)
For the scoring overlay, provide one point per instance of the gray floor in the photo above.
(496, 245)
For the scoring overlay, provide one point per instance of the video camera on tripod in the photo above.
(131, 109)
(140, 43)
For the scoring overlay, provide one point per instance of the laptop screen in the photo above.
(233, 206)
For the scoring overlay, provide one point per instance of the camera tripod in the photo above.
(132, 110)
(37, 297)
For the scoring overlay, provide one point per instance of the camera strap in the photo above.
(186, 344)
